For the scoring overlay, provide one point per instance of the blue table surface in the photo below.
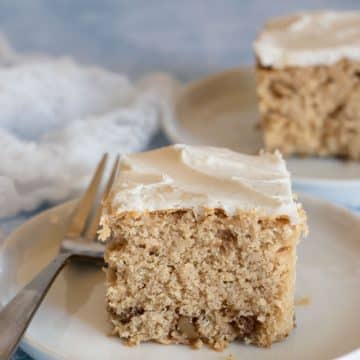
(187, 38)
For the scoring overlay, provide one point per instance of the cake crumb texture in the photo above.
(312, 110)
(176, 276)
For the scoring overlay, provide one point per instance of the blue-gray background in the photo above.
(189, 38)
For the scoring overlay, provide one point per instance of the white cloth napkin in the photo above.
(57, 117)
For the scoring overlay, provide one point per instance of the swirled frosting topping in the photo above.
(198, 177)
(309, 39)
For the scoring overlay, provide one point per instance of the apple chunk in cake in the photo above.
(201, 247)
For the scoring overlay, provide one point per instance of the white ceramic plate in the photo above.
(71, 323)
(221, 110)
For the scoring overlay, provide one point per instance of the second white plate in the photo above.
(221, 110)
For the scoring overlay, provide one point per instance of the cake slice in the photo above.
(308, 84)
(201, 247)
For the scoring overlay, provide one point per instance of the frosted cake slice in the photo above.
(308, 83)
(201, 247)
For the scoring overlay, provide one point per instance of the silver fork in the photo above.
(80, 242)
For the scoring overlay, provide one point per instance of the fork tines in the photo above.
(80, 226)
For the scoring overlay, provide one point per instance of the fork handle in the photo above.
(17, 314)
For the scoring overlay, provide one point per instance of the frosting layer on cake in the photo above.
(197, 177)
(308, 39)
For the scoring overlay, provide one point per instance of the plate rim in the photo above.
(43, 352)
(27, 343)
(173, 130)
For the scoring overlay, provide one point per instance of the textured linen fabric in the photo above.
(58, 117)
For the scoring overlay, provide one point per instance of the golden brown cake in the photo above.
(201, 247)
(308, 84)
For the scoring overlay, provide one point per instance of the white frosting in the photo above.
(182, 176)
(318, 38)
